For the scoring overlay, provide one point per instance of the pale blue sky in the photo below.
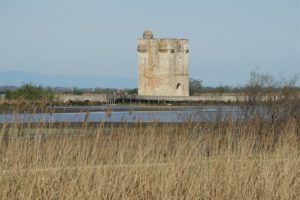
(228, 39)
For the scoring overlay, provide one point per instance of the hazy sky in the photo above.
(228, 39)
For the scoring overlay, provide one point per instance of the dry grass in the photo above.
(252, 160)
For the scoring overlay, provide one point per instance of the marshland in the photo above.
(256, 157)
(152, 99)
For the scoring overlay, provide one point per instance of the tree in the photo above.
(195, 86)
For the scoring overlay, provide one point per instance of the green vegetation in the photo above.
(30, 92)
(77, 91)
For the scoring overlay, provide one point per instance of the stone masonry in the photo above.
(163, 66)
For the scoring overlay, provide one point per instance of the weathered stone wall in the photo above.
(163, 66)
(207, 97)
(81, 98)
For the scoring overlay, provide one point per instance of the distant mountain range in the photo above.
(18, 78)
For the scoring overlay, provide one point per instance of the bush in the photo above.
(30, 92)
(77, 91)
(195, 86)
(277, 99)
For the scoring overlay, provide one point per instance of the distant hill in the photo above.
(17, 78)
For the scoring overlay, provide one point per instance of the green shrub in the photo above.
(77, 91)
(30, 92)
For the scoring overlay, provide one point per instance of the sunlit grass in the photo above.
(232, 160)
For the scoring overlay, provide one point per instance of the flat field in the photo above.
(221, 160)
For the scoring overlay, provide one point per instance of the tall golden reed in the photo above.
(232, 160)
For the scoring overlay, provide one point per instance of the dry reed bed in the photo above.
(253, 160)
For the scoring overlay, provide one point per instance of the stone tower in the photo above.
(163, 66)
